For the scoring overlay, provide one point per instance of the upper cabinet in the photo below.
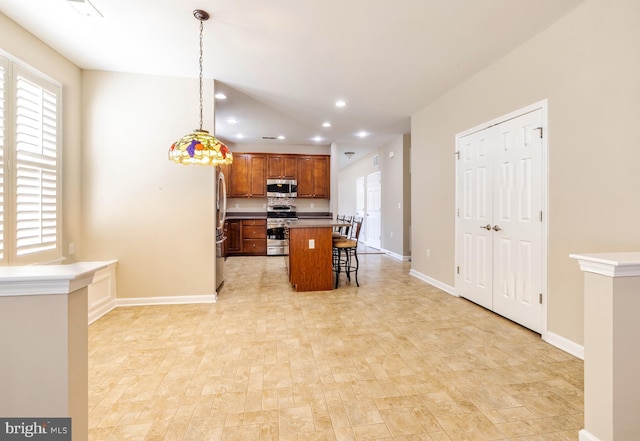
(282, 166)
(313, 177)
(248, 176)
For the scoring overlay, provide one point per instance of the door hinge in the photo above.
(457, 154)
(541, 216)
(540, 298)
(541, 129)
(458, 212)
(457, 270)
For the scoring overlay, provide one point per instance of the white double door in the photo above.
(499, 218)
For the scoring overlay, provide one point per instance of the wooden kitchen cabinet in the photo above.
(254, 237)
(282, 167)
(246, 237)
(232, 230)
(248, 176)
(313, 177)
(310, 268)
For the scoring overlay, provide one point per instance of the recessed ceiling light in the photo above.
(220, 96)
(85, 8)
(340, 103)
(362, 134)
(232, 120)
(280, 136)
(239, 136)
(317, 138)
(326, 124)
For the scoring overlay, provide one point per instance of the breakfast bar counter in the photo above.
(310, 254)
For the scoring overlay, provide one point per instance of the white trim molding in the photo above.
(442, 286)
(610, 264)
(101, 296)
(396, 256)
(169, 300)
(585, 435)
(564, 344)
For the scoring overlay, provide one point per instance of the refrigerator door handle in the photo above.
(222, 199)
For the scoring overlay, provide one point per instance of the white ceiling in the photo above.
(284, 63)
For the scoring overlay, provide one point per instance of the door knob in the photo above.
(496, 228)
(486, 227)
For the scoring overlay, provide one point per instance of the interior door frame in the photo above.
(378, 244)
(543, 106)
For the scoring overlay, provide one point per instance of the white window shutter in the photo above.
(3, 125)
(36, 157)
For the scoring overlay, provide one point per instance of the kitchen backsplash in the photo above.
(242, 205)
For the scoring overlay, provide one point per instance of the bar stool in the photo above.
(345, 254)
(342, 231)
(337, 230)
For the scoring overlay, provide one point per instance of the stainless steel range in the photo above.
(280, 213)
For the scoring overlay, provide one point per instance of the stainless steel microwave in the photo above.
(282, 188)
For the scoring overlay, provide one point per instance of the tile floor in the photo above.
(395, 359)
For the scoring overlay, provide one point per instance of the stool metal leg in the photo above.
(355, 254)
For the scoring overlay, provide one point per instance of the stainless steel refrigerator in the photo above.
(221, 213)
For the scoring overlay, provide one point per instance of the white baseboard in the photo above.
(396, 256)
(169, 300)
(105, 308)
(585, 435)
(443, 286)
(564, 344)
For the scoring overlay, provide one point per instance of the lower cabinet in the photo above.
(233, 244)
(246, 237)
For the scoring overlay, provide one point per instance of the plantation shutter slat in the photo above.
(36, 178)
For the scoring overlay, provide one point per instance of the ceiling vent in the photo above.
(85, 8)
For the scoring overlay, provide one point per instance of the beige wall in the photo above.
(154, 216)
(587, 65)
(25, 47)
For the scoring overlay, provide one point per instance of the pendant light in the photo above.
(199, 147)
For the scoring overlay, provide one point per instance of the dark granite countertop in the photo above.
(315, 215)
(263, 215)
(246, 214)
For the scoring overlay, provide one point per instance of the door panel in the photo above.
(499, 185)
(518, 263)
(475, 248)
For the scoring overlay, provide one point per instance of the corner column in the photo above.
(44, 342)
(611, 346)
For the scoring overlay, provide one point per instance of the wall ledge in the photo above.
(46, 279)
(624, 264)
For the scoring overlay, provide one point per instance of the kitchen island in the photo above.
(310, 254)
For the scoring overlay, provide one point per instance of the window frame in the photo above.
(14, 68)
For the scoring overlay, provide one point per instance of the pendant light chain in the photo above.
(200, 61)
